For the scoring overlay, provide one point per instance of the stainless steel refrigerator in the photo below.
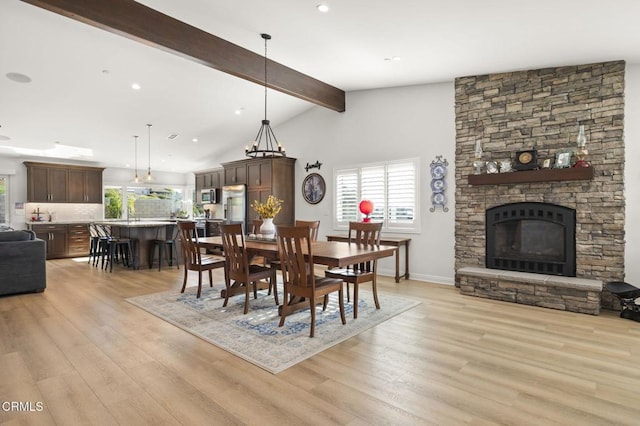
(234, 203)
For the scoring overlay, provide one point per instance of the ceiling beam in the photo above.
(141, 23)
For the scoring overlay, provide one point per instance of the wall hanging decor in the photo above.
(315, 165)
(313, 188)
(438, 183)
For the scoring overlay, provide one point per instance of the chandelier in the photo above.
(271, 147)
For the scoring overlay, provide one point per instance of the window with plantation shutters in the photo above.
(346, 196)
(392, 187)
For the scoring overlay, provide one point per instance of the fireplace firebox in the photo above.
(531, 237)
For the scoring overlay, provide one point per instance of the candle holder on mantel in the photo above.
(478, 164)
(581, 152)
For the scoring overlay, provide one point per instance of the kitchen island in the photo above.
(142, 233)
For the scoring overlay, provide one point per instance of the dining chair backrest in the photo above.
(313, 225)
(255, 226)
(365, 233)
(294, 242)
(235, 251)
(189, 242)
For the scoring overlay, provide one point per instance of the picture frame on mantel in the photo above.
(563, 160)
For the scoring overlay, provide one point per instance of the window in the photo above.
(143, 203)
(4, 201)
(392, 187)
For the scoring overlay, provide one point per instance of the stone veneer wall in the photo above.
(542, 108)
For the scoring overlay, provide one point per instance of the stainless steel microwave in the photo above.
(210, 196)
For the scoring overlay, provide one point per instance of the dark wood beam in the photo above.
(141, 23)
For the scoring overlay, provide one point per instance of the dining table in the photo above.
(334, 254)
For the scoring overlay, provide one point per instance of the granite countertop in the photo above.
(56, 222)
(138, 224)
(124, 223)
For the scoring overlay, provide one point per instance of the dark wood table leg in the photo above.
(406, 260)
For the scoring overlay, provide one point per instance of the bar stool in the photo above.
(116, 249)
(166, 247)
(94, 243)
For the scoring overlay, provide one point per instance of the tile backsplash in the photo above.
(64, 211)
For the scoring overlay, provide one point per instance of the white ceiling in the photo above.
(80, 94)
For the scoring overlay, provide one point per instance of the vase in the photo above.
(268, 229)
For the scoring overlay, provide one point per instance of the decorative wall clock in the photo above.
(438, 183)
(313, 188)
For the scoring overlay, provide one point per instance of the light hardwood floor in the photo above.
(90, 357)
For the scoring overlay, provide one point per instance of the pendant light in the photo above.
(271, 147)
(149, 177)
(136, 178)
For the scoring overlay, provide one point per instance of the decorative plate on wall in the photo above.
(313, 188)
(438, 184)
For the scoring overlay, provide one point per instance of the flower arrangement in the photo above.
(268, 209)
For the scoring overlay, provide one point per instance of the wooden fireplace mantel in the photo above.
(525, 176)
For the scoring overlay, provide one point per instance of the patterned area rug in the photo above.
(256, 336)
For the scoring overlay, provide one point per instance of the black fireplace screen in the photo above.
(531, 237)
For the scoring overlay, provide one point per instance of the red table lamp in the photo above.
(366, 208)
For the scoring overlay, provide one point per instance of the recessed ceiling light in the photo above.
(194, 140)
(172, 136)
(239, 111)
(322, 8)
(135, 86)
(18, 78)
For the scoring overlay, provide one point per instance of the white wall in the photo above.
(632, 174)
(383, 125)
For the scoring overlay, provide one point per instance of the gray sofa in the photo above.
(22, 263)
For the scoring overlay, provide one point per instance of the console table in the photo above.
(387, 241)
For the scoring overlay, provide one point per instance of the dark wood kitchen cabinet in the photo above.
(62, 183)
(78, 239)
(56, 238)
(268, 176)
(85, 186)
(235, 173)
(63, 240)
(46, 184)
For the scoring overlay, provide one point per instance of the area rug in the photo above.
(256, 336)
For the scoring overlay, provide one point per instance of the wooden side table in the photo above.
(387, 241)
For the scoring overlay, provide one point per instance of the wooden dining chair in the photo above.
(194, 260)
(240, 270)
(298, 274)
(363, 233)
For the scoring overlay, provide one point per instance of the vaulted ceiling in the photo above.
(80, 93)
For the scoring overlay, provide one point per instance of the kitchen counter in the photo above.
(142, 233)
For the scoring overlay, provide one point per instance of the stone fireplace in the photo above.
(542, 109)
